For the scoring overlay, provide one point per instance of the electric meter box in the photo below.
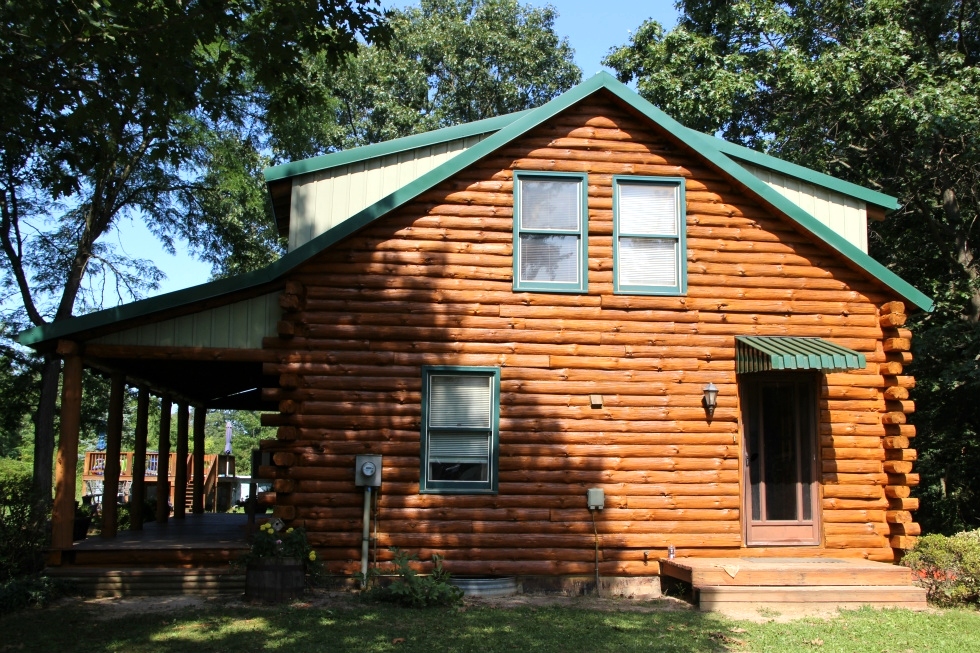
(596, 498)
(367, 471)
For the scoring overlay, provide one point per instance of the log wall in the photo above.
(432, 284)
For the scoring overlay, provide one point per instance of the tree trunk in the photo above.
(964, 252)
(44, 429)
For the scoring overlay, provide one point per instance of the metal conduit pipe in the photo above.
(365, 536)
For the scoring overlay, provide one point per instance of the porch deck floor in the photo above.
(208, 530)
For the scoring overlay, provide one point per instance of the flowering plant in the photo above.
(290, 543)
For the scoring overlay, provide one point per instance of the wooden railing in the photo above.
(94, 468)
(215, 466)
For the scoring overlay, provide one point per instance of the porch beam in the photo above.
(137, 496)
(150, 352)
(180, 474)
(154, 388)
(163, 462)
(110, 480)
(197, 497)
(63, 510)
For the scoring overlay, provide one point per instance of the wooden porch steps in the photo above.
(794, 584)
(142, 581)
(187, 558)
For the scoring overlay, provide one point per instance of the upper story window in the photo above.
(550, 232)
(460, 421)
(649, 254)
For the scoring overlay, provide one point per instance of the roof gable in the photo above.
(508, 128)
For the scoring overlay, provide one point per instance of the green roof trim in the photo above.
(743, 153)
(510, 127)
(415, 141)
(767, 353)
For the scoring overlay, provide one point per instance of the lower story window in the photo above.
(460, 416)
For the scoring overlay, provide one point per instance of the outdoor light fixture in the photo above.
(710, 399)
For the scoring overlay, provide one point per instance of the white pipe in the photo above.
(365, 536)
(227, 437)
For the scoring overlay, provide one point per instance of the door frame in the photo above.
(781, 533)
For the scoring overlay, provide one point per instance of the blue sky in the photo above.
(590, 35)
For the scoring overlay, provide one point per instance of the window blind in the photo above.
(460, 401)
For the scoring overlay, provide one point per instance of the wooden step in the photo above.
(778, 572)
(101, 582)
(820, 598)
(175, 558)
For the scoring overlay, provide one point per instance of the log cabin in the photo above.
(509, 314)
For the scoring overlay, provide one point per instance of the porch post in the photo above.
(110, 483)
(163, 462)
(63, 510)
(200, 413)
(137, 495)
(180, 476)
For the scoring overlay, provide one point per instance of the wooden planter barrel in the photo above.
(274, 580)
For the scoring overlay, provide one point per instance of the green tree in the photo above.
(448, 62)
(110, 106)
(880, 92)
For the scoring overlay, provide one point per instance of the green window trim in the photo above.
(432, 429)
(581, 284)
(680, 237)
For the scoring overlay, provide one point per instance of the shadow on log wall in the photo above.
(431, 284)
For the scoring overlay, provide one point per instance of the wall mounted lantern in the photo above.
(710, 399)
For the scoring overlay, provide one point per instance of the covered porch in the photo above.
(197, 351)
(182, 556)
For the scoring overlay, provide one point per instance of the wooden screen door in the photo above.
(780, 499)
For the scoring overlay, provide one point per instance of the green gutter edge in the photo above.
(335, 159)
(516, 125)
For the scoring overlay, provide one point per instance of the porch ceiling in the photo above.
(218, 384)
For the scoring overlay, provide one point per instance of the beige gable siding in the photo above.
(323, 199)
(845, 215)
(241, 325)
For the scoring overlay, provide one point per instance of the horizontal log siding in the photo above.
(431, 284)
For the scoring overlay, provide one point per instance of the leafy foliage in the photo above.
(414, 590)
(881, 93)
(19, 375)
(949, 567)
(22, 524)
(448, 62)
(28, 592)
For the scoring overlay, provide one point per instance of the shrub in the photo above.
(948, 567)
(414, 590)
(23, 526)
(28, 592)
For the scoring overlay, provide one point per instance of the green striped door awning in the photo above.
(764, 353)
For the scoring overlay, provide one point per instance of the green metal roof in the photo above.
(335, 159)
(511, 127)
(765, 353)
(743, 153)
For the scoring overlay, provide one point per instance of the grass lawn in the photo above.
(366, 628)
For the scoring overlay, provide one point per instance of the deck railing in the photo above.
(215, 466)
(94, 468)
